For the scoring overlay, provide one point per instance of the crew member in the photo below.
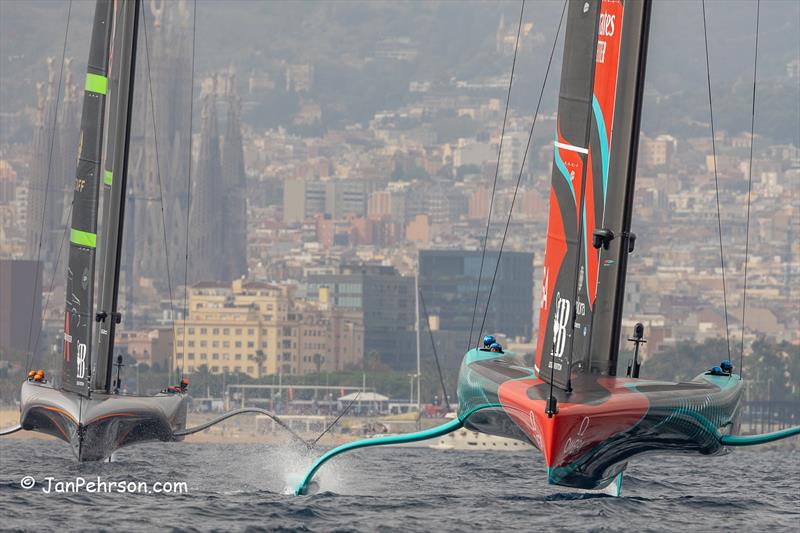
(496, 347)
(726, 366)
(488, 340)
(716, 371)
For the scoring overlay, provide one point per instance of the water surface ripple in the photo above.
(246, 487)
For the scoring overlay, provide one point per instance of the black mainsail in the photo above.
(78, 316)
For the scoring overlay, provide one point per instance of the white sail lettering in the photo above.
(560, 319)
(606, 25)
(601, 51)
(80, 361)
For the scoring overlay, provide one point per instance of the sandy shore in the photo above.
(235, 430)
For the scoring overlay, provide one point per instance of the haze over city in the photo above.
(332, 142)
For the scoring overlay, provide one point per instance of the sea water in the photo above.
(249, 486)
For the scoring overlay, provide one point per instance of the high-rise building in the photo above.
(20, 304)
(448, 280)
(337, 198)
(386, 300)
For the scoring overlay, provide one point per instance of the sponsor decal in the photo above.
(80, 361)
(560, 320)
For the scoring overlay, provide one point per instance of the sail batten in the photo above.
(78, 313)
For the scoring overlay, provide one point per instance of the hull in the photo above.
(476, 441)
(603, 423)
(98, 426)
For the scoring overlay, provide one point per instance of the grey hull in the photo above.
(98, 426)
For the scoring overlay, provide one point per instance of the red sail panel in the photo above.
(563, 255)
(604, 94)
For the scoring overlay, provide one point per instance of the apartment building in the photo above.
(260, 329)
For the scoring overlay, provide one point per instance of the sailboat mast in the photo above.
(113, 91)
(417, 328)
(108, 315)
(613, 261)
(77, 363)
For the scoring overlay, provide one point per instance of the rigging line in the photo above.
(445, 397)
(55, 271)
(494, 183)
(521, 169)
(158, 172)
(716, 183)
(188, 192)
(749, 191)
(29, 355)
(335, 421)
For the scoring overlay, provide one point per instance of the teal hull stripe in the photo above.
(601, 130)
(431, 433)
(563, 169)
(752, 440)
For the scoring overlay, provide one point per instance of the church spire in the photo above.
(234, 239)
(205, 216)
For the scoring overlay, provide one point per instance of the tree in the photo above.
(685, 360)
(260, 358)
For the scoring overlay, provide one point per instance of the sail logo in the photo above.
(576, 443)
(80, 361)
(545, 281)
(560, 319)
(607, 27)
(601, 51)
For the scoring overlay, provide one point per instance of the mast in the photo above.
(605, 338)
(108, 315)
(591, 196)
(77, 362)
(113, 90)
(417, 328)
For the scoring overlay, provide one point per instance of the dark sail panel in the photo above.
(564, 228)
(124, 67)
(620, 174)
(78, 316)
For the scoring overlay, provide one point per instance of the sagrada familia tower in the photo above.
(160, 204)
(54, 156)
(215, 211)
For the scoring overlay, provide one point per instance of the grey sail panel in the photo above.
(78, 316)
(124, 63)
(621, 172)
(564, 231)
(113, 90)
